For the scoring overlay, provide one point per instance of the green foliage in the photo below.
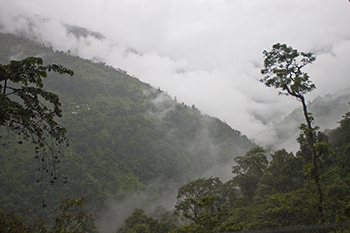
(337, 196)
(285, 172)
(71, 217)
(201, 195)
(253, 163)
(282, 69)
(249, 169)
(24, 107)
(340, 142)
(12, 223)
(139, 222)
(205, 222)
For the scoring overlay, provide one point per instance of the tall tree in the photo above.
(30, 111)
(283, 70)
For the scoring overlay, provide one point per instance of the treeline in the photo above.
(270, 196)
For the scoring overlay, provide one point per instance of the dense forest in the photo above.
(127, 137)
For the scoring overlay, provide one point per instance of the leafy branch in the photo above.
(29, 111)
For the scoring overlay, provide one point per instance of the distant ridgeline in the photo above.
(123, 134)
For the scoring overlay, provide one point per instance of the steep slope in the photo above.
(123, 135)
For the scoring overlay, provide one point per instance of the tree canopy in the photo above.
(29, 110)
(282, 69)
(249, 169)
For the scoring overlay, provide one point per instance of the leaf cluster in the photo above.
(25, 110)
(283, 69)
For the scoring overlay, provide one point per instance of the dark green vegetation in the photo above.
(122, 134)
(71, 216)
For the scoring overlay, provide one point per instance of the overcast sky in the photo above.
(206, 53)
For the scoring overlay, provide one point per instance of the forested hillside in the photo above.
(123, 134)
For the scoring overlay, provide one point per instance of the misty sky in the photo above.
(207, 53)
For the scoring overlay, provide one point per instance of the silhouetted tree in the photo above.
(283, 70)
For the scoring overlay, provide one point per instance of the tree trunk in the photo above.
(315, 176)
